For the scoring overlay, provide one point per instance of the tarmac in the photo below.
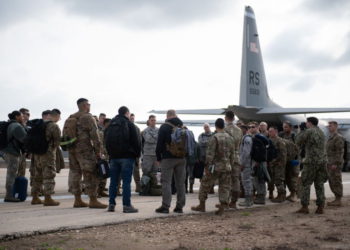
(23, 219)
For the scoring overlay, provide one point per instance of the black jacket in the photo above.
(130, 148)
(164, 138)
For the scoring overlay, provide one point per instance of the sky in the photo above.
(161, 54)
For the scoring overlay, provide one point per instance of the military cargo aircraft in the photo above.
(254, 101)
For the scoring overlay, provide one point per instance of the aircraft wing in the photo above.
(290, 111)
(186, 122)
(192, 111)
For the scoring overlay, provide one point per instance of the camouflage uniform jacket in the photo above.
(290, 137)
(335, 150)
(150, 137)
(314, 141)
(104, 151)
(53, 136)
(88, 139)
(281, 148)
(221, 151)
(237, 135)
(292, 149)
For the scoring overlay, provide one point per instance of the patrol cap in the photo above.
(333, 122)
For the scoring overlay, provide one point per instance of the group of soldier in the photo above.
(225, 154)
(230, 152)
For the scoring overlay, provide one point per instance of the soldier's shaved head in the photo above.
(171, 113)
(83, 105)
(219, 123)
(229, 116)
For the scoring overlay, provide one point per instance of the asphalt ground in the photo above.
(23, 219)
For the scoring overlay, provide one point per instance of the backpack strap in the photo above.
(169, 123)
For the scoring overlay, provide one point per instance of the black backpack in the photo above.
(3, 134)
(259, 148)
(36, 142)
(272, 151)
(117, 136)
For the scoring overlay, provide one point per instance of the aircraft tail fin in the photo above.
(253, 89)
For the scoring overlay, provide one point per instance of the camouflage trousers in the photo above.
(208, 182)
(277, 174)
(136, 173)
(22, 166)
(148, 164)
(82, 164)
(292, 174)
(313, 174)
(235, 182)
(101, 185)
(247, 180)
(12, 163)
(335, 181)
(44, 173)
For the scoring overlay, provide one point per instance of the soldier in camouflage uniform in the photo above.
(83, 157)
(220, 159)
(102, 182)
(237, 135)
(45, 165)
(277, 165)
(292, 172)
(314, 171)
(335, 152)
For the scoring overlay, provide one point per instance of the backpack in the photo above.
(117, 136)
(178, 144)
(69, 133)
(259, 148)
(35, 141)
(3, 134)
(150, 186)
(272, 151)
(145, 184)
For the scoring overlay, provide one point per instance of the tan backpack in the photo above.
(69, 132)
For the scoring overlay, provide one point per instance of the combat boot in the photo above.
(259, 200)
(102, 194)
(281, 197)
(200, 207)
(191, 188)
(292, 197)
(271, 195)
(319, 210)
(212, 190)
(50, 202)
(303, 210)
(138, 188)
(78, 202)
(336, 202)
(36, 200)
(232, 205)
(94, 203)
(221, 209)
(248, 202)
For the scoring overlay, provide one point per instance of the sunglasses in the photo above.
(251, 126)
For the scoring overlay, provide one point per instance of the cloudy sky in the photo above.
(160, 54)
